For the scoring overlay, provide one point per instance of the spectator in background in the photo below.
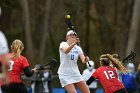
(129, 79)
(86, 75)
(42, 82)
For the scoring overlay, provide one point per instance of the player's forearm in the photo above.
(84, 59)
(28, 72)
(90, 80)
(67, 50)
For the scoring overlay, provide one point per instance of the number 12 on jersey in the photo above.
(109, 74)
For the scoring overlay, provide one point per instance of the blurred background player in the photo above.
(129, 79)
(3, 58)
(86, 75)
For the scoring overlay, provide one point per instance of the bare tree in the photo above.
(134, 27)
(121, 23)
(26, 20)
(87, 27)
(45, 31)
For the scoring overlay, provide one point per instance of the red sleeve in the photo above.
(95, 74)
(25, 62)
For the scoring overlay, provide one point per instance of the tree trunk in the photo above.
(134, 27)
(45, 31)
(87, 32)
(26, 20)
(121, 16)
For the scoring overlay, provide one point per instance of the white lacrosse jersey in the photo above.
(3, 44)
(68, 62)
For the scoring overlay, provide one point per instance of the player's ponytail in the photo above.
(17, 47)
(117, 63)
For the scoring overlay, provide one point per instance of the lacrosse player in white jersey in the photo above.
(68, 71)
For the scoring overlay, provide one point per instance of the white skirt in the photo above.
(66, 79)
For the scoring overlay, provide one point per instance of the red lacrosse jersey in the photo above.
(16, 66)
(108, 78)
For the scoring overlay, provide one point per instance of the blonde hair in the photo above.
(104, 60)
(117, 63)
(115, 56)
(17, 47)
(103, 56)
